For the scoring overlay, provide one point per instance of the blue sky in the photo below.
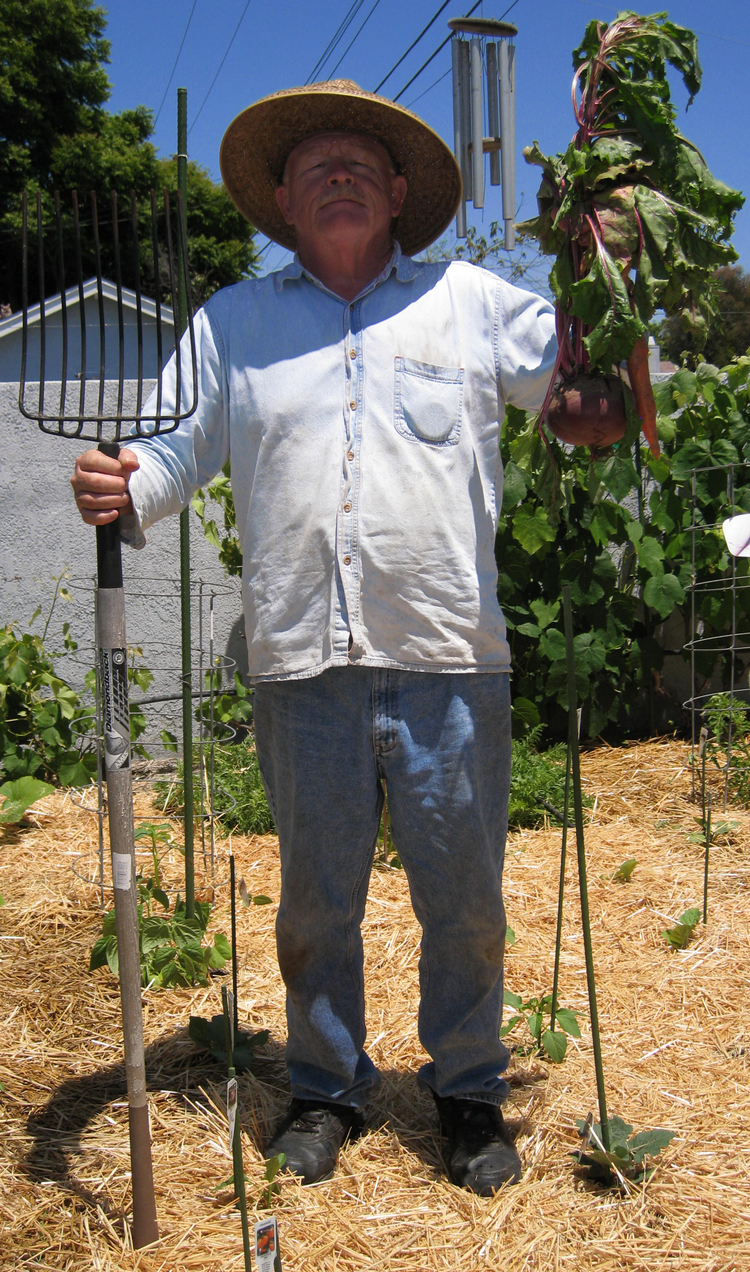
(278, 45)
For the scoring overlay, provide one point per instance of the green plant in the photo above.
(171, 946)
(210, 1035)
(535, 777)
(231, 706)
(39, 713)
(532, 1013)
(18, 796)
(679, 935)
(631, 212)
(228, 545)
(624, 872)
(728, 743)
(247, 898)
(237, 776)
(628, 1154)
(273, 1166)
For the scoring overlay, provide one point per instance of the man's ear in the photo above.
(398, 194)
(282, 198)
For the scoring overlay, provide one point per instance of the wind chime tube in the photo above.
(465, 80)
(507, 131)
(493, 111)
(458, 144)
(477, 126)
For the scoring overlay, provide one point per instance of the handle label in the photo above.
(114, 682)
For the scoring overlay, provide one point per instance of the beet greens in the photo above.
(631, 211)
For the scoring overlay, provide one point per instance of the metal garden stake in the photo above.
(233, 1108)
(582, 880)
(78, 410)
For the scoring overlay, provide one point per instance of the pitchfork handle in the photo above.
(108, 553)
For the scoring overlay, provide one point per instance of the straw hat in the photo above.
(258, 142)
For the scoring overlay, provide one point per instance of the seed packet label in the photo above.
(231, 1108)
(116, 717)
(267, 1257)
(121, 871)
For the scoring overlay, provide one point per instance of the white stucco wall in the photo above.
(42, 536)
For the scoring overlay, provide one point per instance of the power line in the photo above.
(339, 34)
(174, 68)
(221, 63)
(440, 47)
(414, 44)
(439, 79)
(355, 37)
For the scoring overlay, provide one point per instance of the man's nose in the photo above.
(340, 173)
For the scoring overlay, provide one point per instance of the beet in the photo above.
(588, 411)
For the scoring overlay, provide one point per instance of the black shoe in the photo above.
(311, 1134)
(481, 1154)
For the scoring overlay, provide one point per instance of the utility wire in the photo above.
(221, 63)
(360, 29)
(413, 44)
(439, 80)
(338, 35)
(174, 68)
(440, 47)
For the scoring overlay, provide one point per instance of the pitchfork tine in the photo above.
(24, 296)
(63, 305)
(42, 315)
(138, 309)
(157, 290)
(120, 316)
(102, 329)
(81, 311)
(173, 285)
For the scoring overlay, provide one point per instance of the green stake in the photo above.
(705, 863)
(582, 883)
(238, 1169)
(187, 684)
(560, 893)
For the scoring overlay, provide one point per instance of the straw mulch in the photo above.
(675, 1032)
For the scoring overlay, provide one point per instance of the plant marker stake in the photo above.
(234, 942)
(187, 680)
(238, 1169)
(560, 894)
(582, 882)
(702, 754)
(705, 864)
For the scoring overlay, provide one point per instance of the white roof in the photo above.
(53, 305)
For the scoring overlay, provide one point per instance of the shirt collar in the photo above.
(404, 267)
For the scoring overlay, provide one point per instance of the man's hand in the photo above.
(100, 485)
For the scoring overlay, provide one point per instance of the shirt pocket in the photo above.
(427, 403)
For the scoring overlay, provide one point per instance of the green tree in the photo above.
(728, 334)
(55, 135)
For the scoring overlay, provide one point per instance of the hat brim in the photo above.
(258, 142)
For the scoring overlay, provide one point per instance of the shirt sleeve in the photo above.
(525, 346)
(174, 465)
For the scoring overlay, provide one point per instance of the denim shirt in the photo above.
(366, 469)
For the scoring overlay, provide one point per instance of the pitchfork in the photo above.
(79, 411)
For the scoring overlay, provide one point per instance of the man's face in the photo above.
(340, 187)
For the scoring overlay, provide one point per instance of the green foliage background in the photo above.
(55, 134)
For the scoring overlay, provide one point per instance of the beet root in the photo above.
(588, 411)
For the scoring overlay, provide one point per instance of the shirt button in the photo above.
(347, 560)
(353, 405)
(350, 454)
(352, 353)
(347, 507)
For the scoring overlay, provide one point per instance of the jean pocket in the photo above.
(427, 406)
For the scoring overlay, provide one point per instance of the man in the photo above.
(359, 395)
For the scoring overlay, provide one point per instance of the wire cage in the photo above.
(719, 644)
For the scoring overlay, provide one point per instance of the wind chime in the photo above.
(487, 58)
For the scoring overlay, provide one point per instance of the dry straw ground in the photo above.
(676, 1045)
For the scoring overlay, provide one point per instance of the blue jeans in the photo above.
(441, 743)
